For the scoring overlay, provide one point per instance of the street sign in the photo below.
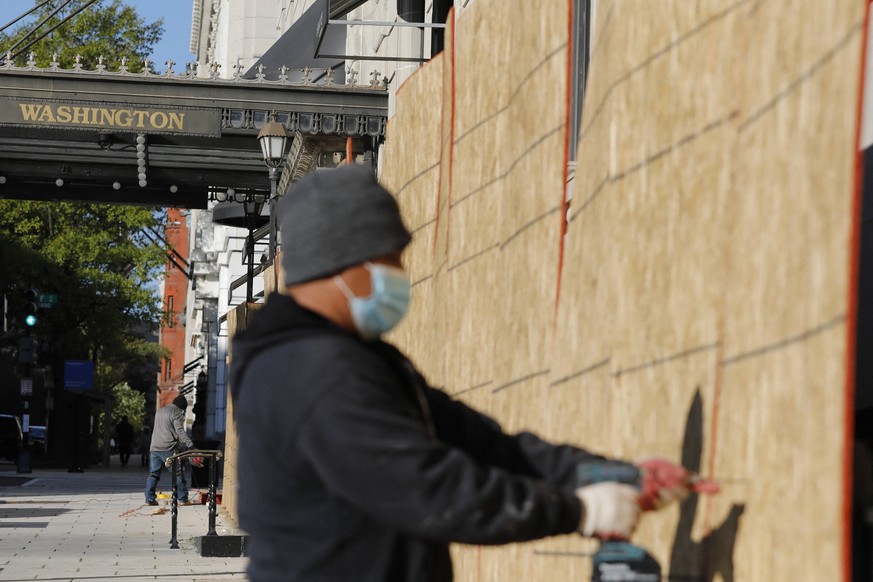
(78, 375)
(26, 386)
(47, 300)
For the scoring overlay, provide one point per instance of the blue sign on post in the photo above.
(78, 375)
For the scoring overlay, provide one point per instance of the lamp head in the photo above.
(273, 137)
(105, 140)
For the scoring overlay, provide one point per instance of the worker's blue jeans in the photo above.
(156, 465)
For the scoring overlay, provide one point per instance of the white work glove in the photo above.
(609, 510)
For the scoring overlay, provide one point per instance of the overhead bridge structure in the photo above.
(171, 139)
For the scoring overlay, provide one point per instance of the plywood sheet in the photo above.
(508, 169)
(711, 227)
(702, 308)
(411, 170)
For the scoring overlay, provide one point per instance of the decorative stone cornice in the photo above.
(194, 72)
(213, 30)
(196, 25)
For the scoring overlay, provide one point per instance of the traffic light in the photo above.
(27, 347)
(31, 305)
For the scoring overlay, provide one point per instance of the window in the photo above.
(582, 27)
(168, 370)
(169, 316)
(440, 13)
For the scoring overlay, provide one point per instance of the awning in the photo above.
(295, 49)
(342, 7)
(160, 139)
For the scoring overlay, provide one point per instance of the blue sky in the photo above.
(177, 25)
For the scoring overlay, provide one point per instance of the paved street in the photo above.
(56, 525)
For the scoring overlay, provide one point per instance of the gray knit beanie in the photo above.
(334, 219)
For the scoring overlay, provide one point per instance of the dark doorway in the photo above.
(862, 502)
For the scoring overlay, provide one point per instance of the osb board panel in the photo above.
(434, 361)
(411, 164)
(502, 228)
(706, 260)
(236, 321)
(235, 318)
(791, 230)
(705, 272)
(507, 188)
(795, 172)
(783, 456)
(636, 259)
(781, 55)
(274, 277)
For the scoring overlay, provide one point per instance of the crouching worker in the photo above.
(168, 437)
(352, 468)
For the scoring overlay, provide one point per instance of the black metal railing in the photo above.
(173, 462)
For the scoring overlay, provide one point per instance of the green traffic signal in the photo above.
(31, 296)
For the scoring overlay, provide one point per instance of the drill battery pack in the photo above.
(619, 561)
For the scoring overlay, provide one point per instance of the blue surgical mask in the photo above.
(385, 306)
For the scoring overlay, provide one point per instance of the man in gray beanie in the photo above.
(352, 468)
(168, 436)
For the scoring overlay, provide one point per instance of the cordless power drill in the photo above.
(619, 560)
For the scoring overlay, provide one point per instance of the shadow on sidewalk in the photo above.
(52, 482)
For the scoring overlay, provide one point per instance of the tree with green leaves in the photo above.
(101, 264)
(95, 257)
(130, 403)
(100, 260)
(110, 30)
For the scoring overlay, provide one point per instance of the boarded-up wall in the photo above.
(698, 309)
(237, 320)
(416, 185)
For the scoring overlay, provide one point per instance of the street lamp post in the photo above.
(273, 137)
(274, 186)
(252, 209)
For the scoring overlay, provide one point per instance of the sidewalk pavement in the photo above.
(94, 525)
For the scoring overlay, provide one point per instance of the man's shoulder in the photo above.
(169, 410)
(318, 349)
(318, 362)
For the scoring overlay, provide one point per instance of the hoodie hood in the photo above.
(181, 402)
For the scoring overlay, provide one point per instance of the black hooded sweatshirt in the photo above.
(351, 468)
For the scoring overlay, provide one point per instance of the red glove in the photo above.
(664, 482)
(196, 461)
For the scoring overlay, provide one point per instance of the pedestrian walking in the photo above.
(124, 432)
(168, 437)
(351, 467)
(145, 441)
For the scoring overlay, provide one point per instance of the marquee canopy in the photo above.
(72, 134)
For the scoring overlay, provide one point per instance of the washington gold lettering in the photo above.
(64, 114)
(123, 113)
(158, 120)
(47, 115)
(101, 116)
(140, 115)
(29, 111)
(80, 116)
(107, 116)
